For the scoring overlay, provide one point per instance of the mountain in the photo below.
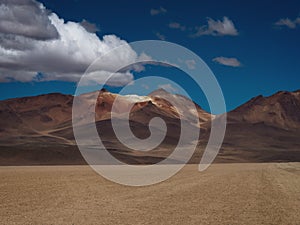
(264, 129)
(34, 116)
(184, 104)
(280, 110)
(38, 130)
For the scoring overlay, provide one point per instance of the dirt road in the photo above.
(223, 194)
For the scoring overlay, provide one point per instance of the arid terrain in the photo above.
(149, 112)
(38, 130)
(224, 194)
(255, 178)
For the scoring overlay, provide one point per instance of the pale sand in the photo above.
(223, 194)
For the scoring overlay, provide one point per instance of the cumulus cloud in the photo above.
(167, 87)
(160, 10)
(175, 25)
(26, 18)
(233, 62)
(51, 49)
(116, 79)
(160, 36)
(90, 27)
(217, 28)
(292, 24)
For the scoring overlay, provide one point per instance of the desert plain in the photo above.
(237, 193)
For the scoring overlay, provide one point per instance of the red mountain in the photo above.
(38, 130)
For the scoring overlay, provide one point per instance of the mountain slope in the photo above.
(38, 130)
(43, 123)
(280, 110)
(264, 129)
(184, 104)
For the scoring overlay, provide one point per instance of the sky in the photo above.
(252, 47)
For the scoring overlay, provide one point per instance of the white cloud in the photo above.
(175, 25)
(217, 28)
(26, 18)
(25, 55)
(160, 10)
(160, 36)
(292, 24)
(233, 62)
(115, 79)
(191, 64)
(167, 87)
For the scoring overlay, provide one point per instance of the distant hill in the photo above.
(38, 130)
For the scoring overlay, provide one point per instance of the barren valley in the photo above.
(265, 193)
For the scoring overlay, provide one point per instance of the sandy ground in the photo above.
(223, 194)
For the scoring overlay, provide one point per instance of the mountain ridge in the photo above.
(32, 126)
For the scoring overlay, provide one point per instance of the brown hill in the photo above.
(33, 126)
(280, 110)
(264, 129)
(38, 130)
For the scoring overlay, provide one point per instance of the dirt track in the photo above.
(224, 194)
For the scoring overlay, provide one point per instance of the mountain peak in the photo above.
(280, 110)
(103, 90)
(159, 91)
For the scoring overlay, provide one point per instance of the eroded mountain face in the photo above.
(39, 129)
(280, 110)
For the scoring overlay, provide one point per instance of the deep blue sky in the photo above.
(269, 55)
